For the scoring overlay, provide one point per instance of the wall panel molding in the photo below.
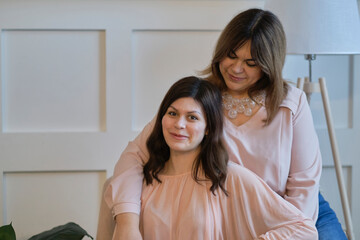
(53, 80)
(40, 194)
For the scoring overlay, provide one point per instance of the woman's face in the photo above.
(240, 71)
(184, 125)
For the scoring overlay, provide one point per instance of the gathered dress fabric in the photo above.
(180, 208)
(285, 154)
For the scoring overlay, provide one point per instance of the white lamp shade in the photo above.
(319, 26)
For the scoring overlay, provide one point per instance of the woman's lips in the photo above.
(232, 77)
(179, 136)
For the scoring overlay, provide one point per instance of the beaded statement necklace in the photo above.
(245, 106)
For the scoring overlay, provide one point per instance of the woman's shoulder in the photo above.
(243, 181)
(236, 171)
(294, 98)
(233, 168)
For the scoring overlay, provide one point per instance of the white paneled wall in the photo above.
(178, 56)
(61, 85)
(79, 79)
(51, 199)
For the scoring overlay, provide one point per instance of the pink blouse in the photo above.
(285, 154)
(180, 208)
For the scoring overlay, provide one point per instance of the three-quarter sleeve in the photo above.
(124, 191)
(302, 187)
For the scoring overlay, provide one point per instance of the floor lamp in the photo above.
(314, 27)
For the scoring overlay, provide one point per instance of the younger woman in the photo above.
(190, 190)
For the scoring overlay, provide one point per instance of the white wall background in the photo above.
(79, 79)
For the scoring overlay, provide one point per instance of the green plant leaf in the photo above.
(7, 232)
(69, 231)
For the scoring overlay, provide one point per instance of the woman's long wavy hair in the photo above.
(268, 48)
(212, 158)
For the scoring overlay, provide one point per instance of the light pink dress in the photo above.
(180, 208)
(285, 154)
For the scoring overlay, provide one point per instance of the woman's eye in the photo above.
(171, 113)
(251, 63)
(232, 55)
(193, 118)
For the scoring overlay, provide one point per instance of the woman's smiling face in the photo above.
(240, 70)
(184, 125)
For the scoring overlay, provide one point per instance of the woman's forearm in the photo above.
(127, 227)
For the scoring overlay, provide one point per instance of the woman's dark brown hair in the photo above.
(213, 157)
(266, 35)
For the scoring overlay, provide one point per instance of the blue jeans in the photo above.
(328, 225)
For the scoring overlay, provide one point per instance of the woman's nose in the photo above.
(180, 123)
(237, 67)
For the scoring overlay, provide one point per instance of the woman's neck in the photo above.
(238, 94)
(180, 163)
